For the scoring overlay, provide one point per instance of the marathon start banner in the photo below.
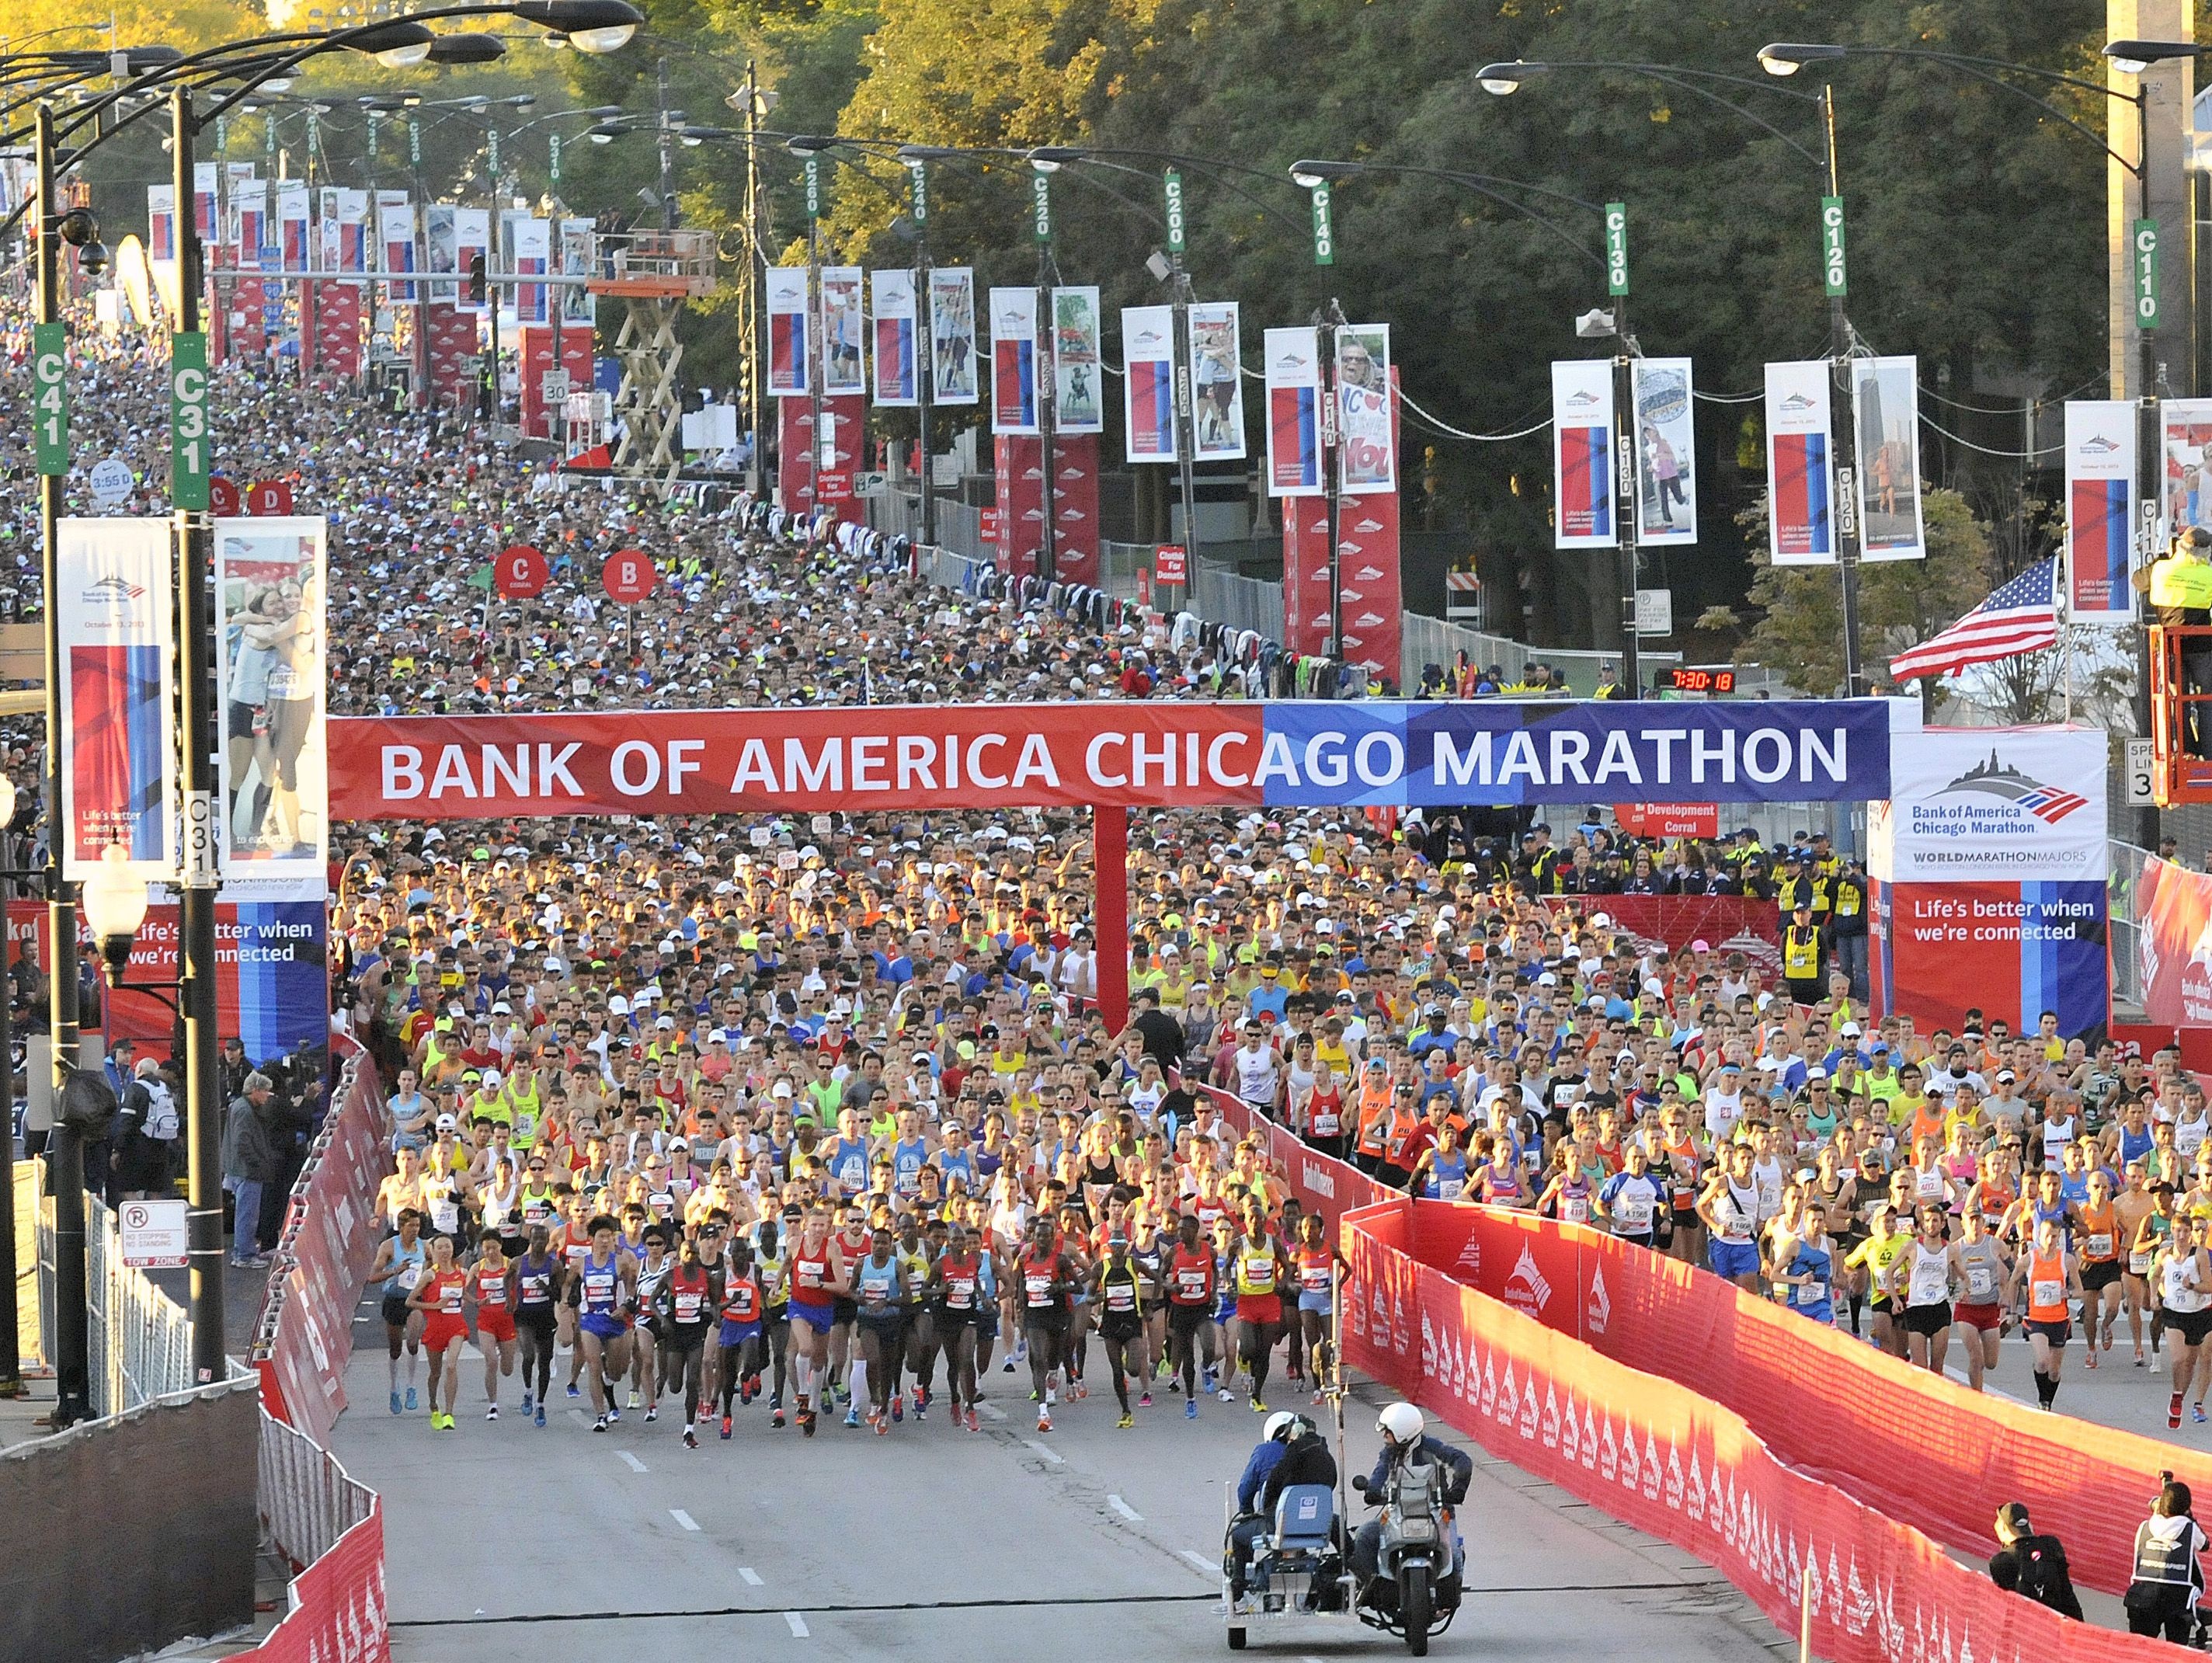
(1294, 755)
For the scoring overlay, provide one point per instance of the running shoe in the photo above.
(1127, 1421)
(395, 1400)
(614, 1412)
(882, 1427)
(776, 1420)
(775, 1402)
(1226, 1395)
(411, 1400)
(2173, 1410)
(1319, 1396)
(690, 1438)
(898, 1406)
(1208, 1378)
(600, 1425)
(806, 1421)
(1052, 1395)
(526, 1403)
(1259, 1406)
(540, 1418)
(652, 1411)
(492, 1413)
(1044, 1421)
(1190, 1409)
(726, 1426)
(2197, 1413)
(1145, 1401)
(853, 1417)
(1009, 1367)
(573, 1391)
(1076, 1388)
(920, 1410)
(632, 1397)
(975, 1424)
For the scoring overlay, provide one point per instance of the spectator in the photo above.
(2031, 1566)
(2168, 1579)
(249, 1164)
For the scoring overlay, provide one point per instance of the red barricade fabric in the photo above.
(1672, 1461)
(1923, 1450)
(1327, 1186)
(1727, 923)
(337, 1605)
(329, 1242)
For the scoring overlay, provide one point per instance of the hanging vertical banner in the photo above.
(1148, 426)
(789, 357)
(441, 247)
(1885, 404)
(1367, 452)
(249, 216)
(952, 370)
(1666, 454)
(1582, 453)
(530, 246)
(1074, 505)
(292, 226)
(1218, 381)
(1308, 621)
(162, 221)
(346, 229)
(205, 174)
(2101, 474)
(118, 767)
(1077, 367)
(844, 370)
(1369, 584)
(1801, 528)
(1293, 382)
(2186, 466)
(395, 242)
(1014, 360)
(270, 630)
(896, 381)
(577, 256)
(471, 238)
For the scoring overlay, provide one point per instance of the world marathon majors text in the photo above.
(1529, 764)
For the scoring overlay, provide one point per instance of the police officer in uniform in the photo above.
(2179, 587)
(1802, 954)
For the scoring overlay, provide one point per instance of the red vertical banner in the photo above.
(453, 339)
(1369, 589)
(847, 417)
(537, 359)
(1019, 466)
(1306, 619)
(338, 328)
(1075, 508)
(794, 438)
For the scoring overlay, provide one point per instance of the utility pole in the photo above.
(1628, 505)
(748, 301)
(817, 335)
(1186, 370)
(1047, 375)
(665, 138)
(1843, 395)
(925, 358)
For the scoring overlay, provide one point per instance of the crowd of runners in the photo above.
(789, 1118)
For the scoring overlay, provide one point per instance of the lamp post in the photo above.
(591, 25)
(1048, 359)
(11, 1362)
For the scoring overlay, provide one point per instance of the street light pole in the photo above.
(817, 343)
(1186, 371)
(1047, 376)
(1843, 395)
(925, 357)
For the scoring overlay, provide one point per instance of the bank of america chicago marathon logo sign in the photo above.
(1994, 798)
(114, 598)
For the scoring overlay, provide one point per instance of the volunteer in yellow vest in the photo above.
(1847, 924)
(1800, 955)
(2179, 587)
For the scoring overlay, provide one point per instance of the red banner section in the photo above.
(537, 357)
(337, 338)
(1690, 1470)
(1726, 923)
(2173, 916)
(1924, 1450)
(848, 420)
(1307, 619)
(1369, 587)
(337, 1605)
(1017, 475)
(727, 762)
(453, 339)
(305, 1333)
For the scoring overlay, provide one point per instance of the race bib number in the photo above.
(2097, 1245)
(1575, 1209)
(1039, 1288)
(687, 1308)
(1981, 1285)
(1634, 1214)
(1809, 1293)
(1449, 1188)
(2046, 1292)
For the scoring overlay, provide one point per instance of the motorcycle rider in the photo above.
(1404, 1440)
(1251, 1523)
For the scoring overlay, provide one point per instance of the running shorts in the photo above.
(495, 1325)
(1186, 1319)
(2099, 1274)
(886, 1326)
(737, 1333)
(2191, 1325)
(1930, 1319)
(1045, 1320)
(1258, 1307)
(605, 1324)
(442, 1330)
(1119, 1326)
(1733, 1258)
(2059, 1332)
(820, 1318)
(1989, 1319)
(843, 1310)
(1313, 1302)
(395, 1310)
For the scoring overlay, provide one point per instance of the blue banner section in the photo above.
(2063, 963)
(1382, 754)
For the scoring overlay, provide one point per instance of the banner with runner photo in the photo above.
(271, 630)
(292, 226)
(1292, 371)
(953, 335)
(2101, 510)
(441, 244)
(2186, 445)
(1885, 407)
(575, 254)
(790, 355)
(1367, 445)
(1217, 382)
(118, 734)
(1014, 360)
(844, 365)
(1582, 453)
(897, 378)
(1801, 523)
(1078, 371)
(1148, 423)
(1666, 452)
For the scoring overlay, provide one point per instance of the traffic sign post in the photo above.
(154, 1235)
(627, 577)
(520, 572)
(188, 420)
(50, 397)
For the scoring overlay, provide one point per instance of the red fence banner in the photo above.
(337, 1610)
(2174, 919)
(1726, 923)
(1659, 1455)
(329, 1241)
(1308, 621)
(1321, 1183)
(1824, 1402)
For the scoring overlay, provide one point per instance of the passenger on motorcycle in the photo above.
(1403, 1440)
(1261, 1478)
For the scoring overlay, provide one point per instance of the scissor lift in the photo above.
(654, 272)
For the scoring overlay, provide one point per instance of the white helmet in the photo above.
(1277, 1424)
(1400, 1423)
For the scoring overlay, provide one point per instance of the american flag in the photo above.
(2020, 616)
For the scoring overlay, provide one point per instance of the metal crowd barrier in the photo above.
(140, 1340)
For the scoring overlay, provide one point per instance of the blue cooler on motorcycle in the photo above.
(1304, 1516)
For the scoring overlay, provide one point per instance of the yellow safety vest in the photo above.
(2176, 582)
(1801, 954)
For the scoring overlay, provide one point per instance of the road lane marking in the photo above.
(992, 1411)
(1049, 1454)
(683, 1518)
(797, 1625)
(1210, 1566)
(630, 1461)
(1125, 1509)
(751, 1577)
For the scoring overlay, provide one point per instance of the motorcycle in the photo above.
(1415, 1591)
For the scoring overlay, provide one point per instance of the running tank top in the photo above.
(1738, 1211)
(407, 1266)
(1119, 1292)
(1984, 1266)
(491, 1288)
(1929, 1281)
(956, 1282)
(2179, 1285)
(810, 1274)
(533, 1283)
(687, 1295)
(2046, 1287)
(1256, 1269)
(602, 1284)
(2101, 1238)
(878, 1286)
(1327, 1110)
(1575, 1201)
(1316, 1269)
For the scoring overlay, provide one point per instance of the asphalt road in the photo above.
(504, 1541)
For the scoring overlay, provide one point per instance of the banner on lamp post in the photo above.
(530, 247)
(896, 380)
(1367, 453)
(952, 372)
(292, 226)
(1799, 465)
(1148, 423)
(2101, 515)
(1885, 410)
(118, 741)
(395, 242)
(844, 369)
(1581, 454)
(1014, 360)
(1078, 369)
(790, 355)
(273, 640)
(1293, 382)
(1218, 379)
(1666, 452)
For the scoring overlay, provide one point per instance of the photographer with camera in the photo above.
(2168, 1579)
